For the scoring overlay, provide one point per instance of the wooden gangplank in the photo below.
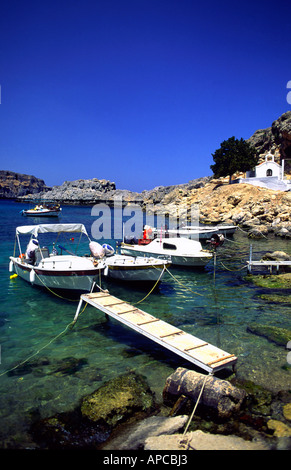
(195, 350)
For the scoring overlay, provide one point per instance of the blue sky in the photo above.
(139, 92)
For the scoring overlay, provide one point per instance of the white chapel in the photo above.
(267, 174)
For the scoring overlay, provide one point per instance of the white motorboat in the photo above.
(180, 251)
(43, 211)
(56, 271)
(194, 232)
(135, 268)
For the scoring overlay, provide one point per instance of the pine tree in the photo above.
(232, 156)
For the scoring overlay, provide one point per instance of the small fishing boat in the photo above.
(180, 251)
(133, 268)
(43, 210)
(40, 267)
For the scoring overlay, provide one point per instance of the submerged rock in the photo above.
(277, 335)
(118, 399)
(276, 281)
(33, 366)
(276, 298)
(69, 365)
(91, 424)
(68, 431)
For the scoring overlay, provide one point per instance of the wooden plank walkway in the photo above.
(195, 350)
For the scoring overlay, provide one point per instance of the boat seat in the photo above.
(41, 253)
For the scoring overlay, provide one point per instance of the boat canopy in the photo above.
(54, 228)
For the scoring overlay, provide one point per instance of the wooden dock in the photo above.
(195, 350)
(268, 264)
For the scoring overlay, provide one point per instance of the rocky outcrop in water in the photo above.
(13, 185)
(82, 191)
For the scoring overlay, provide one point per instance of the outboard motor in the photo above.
(216, 240)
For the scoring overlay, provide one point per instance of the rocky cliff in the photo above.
(275, 139)
(80, 191)
(13, 185)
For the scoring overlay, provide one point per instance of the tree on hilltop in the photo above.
(232, 156)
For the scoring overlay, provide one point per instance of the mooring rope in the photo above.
(156, 283)
(183, 441)
(37, 352)
(196, 404)
(181, 283)
(54, 293)
(69, 326)
(238, 269)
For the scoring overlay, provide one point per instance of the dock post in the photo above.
(77, 311)
(250, 259)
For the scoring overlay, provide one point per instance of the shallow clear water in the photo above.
(214, 305)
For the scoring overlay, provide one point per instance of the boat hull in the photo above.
(135, 269)
(197, 233)
(177, 260)
(64, 279)
(35, 213)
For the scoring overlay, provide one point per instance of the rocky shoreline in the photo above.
(256, 210)
(253, 208)
(124, 415)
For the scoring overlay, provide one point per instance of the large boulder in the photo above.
(117, 400)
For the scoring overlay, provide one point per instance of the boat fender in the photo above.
(96, 250)
(105, 272)
(13, 276)
(108, 249)
(32, 276)
(11, 267)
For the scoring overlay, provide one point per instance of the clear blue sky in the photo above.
(139, 92)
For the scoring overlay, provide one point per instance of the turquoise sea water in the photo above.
(64, 368)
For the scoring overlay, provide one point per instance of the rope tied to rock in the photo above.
(183, 441)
